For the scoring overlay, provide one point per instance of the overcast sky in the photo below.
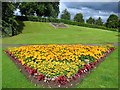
(94, 9)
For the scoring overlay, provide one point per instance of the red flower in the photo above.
(18, 61)
(91, 65)
(40, 77)
(32, 71)
(62, 80)
(74, 77)
(88, 67)
(77, 75)
(80, 71)
(95, 62)
(111, 49)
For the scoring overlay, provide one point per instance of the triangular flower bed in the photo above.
(57, 66)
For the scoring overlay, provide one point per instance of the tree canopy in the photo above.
(79, 17)
(90, 20)
(112, 21)
(46, 9)
(99, 21)
(65, 15)
(9, 23)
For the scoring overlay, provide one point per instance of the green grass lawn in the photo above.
(105, 76)
(43, 33)
(0, 67)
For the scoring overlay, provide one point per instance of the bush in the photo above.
(22, 18)
(55, 20)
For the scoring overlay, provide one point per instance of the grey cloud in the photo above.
(105, 6)
(89, 9)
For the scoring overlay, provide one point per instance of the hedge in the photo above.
(55, 20)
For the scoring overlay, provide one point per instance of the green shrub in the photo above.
(55, 20)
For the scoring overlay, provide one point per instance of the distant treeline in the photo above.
(112, 21)
(70, 22)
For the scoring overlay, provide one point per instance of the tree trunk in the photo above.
(13, 31)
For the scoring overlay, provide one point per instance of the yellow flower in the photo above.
(53, 59)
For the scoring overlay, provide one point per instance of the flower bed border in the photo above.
(60, 81)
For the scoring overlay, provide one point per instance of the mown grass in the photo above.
(43, 33)
(105, 76)
(0, 67)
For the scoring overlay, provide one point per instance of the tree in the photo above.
(119, 25)
(51, 10)
(99, 21)
(9, 23)
(65, 15)
(90, 20)
(27, 8)
(112, 21)
(46, 9)
(79, 17)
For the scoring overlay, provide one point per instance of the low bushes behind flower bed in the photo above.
(58, 62)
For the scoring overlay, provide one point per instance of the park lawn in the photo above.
(104, 76)
(44, 33)
(0, 68)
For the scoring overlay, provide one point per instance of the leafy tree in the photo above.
(47, 9)
(51, 11)
(79, 17)
(112, 21)
(99, 21)
(65, 15)
(90, 20)
(119, 25)
(27, 8)
(9, 23)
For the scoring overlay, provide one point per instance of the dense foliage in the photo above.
(9, 23)
(99, 21)
(112, 21)
(46, 9)
(65, 15)
(90, 20)
(79, 17)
